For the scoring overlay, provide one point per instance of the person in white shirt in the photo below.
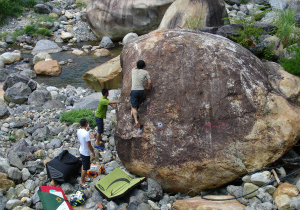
(85, 148)
(137, 88)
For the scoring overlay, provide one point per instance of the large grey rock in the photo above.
(3, 44)
(18, 93)
(41, 133)
(35, 166)
(4, 165)
(3, 110)
(117, 19)
(55, 143)
(42, 8)
(39, 97)
(194, 14)
(107, 156)
(25, 174)
(13, 79)
(30, 185)
(229, 30)
(14, 174)
(260, 179)
(5, 72)
(46, 46)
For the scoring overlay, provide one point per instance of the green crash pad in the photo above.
(116, 184)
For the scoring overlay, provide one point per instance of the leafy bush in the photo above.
(10, 8)
(286, 26)
(292, 65)
(30, 3)
(75, 115)
(29, 30)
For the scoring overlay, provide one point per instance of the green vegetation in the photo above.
(30, 3)
(81, 5)
(286, 27)
(10, 8)
(12, 137)
(75, 115)
(292, 65)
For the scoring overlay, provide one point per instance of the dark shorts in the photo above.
(86, 162)
(135, 97)
(100, 125)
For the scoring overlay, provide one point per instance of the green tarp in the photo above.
(116, 184)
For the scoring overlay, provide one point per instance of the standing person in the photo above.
(100, 114)
(85, 148)
(137, 88)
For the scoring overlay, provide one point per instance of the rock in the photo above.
(194, 14)
(3, 111)
(286, 189)
(30, 185)
(295, 203)
(3, 44)
(28, 73)
(143, 206)
(284, 82)
(107, 19)
(4, 164)
(260, 179)
(229, 30)
(107, 156)
(112, 206)
(106, 42)
(47, 46)
(77, 52)
(13, 203)
(14, 173)
(283, 202)
(66, 35)
(9, 39)
(24, 193)
(55, 143)
(25, 174)
(6, 184)
(49, 68)
(14, 160)
(153, 205)
(154, 191)
(18, 93)
(14, 78)
(10, 57)
(129, 36)
(278, 4)
(213, 111)
(2, 65)
(54, 104)
(101, 53)
(67, 188)
(107, 75)
(3, 201)
(69, 15)
(42, 8)
(42, 56)
(249, 187)
(198, 203)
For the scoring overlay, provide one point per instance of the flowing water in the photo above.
(72, 72)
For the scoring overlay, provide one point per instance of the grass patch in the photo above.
(292, 65)
(286, 26)
(75, 115)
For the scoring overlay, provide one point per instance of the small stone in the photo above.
(283, 202)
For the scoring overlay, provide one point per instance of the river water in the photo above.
(72, 72)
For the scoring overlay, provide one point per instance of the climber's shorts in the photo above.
(135, 97)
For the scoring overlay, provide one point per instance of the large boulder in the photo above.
(47, 46)
(48, 67)
(116, 19)
(14, 78)
(107, 75)
(194, 14)
(18, 93)
(211, 109)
